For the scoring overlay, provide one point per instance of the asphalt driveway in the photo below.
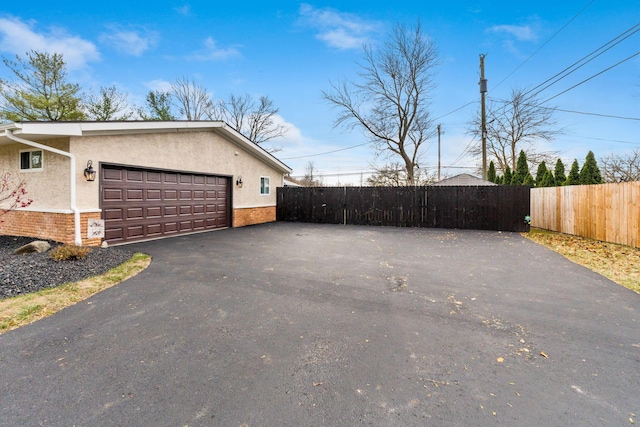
(304, 325)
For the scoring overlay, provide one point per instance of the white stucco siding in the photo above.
(49, 187)
(200, 151)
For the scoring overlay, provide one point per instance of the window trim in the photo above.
(268, 186)
(31, 168)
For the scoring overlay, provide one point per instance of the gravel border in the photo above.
(22, 274)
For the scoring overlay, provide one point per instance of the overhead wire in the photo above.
(545, 43)
(568, 70)
(609, 116)
(592, 77)
(326, 152)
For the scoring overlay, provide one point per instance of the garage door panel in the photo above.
(154, 194)
(170, 227)
(134, 213)
(112, 194)
(112, 175)
(134, 231)
(155, 177)
(186, 225)
(114, 234)
(135, 195)
(170, 178)
(134, 175)
(154, 212)
(140, 204)
(112, 214)
(154, 230)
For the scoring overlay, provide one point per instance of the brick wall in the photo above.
(47, 225)
(250, 216)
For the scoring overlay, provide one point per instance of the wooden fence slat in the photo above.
(609, 212)
(482, 207)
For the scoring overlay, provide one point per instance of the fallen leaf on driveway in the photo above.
(543, 354)
(500, 360)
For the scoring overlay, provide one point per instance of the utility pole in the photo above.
(438, 151)
(483, 114)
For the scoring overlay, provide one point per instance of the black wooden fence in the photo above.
(468, 207)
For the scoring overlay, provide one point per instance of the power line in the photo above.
(592, 77)
(366, 143)
(609, 116)
(326, 152)
(607, 140)
(453, 111)
(545, 43)
(566, 72)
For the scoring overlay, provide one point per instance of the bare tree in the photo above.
(193, 101)
(254, 119)
(390, 100)
(516, 125)
(621, 168)
(395, 175)
(391, 175)
(312, 177)
(109, 104)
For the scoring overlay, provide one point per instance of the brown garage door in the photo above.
(142, 204)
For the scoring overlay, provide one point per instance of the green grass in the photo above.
(24, 309)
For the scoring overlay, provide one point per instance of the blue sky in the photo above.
(290, 51)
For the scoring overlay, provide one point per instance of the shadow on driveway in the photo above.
(302, 324)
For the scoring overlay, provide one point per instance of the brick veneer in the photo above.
(59, 226)
(250, 216)
(47, 225)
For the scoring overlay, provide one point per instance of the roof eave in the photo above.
(53, 129)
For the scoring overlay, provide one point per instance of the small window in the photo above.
(264, 185)
(30, 160)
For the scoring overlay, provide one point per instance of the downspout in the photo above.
(72, 179)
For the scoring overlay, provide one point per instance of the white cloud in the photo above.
(184, 9)
(129, 42)
(18, 37)
(519, 32)
(337, 29)
(211, 52)
(159, 85)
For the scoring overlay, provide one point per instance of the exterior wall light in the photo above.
(89, 172)
(239, 181)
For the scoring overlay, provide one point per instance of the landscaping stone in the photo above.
(38, 246)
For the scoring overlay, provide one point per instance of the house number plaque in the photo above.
(95, 229)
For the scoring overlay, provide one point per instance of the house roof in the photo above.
(39, 131)
(464, 179)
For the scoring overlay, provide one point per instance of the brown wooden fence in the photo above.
(481, 208)
(609, 212)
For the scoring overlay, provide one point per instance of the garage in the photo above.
(139, 204)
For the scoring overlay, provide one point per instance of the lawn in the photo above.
(618, 263)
